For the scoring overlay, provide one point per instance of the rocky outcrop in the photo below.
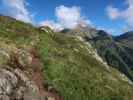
(15, 85)
(21, 77)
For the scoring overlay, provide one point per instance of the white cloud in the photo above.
(67, 17)
(17, 9)
(126, 14)
(112, 12)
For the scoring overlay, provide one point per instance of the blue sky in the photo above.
(113, 16)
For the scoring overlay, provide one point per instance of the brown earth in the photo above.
(37, 77)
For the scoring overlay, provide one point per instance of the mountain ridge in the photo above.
(104, 43)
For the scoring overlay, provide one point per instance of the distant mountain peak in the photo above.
(127, 35)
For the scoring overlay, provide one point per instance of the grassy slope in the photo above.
(17, 31)
(77, 75)
(68, 66)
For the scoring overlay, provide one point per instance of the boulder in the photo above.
(24, 58)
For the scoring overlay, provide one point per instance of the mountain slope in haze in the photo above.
(38, 63)
(127, 41)
(115, 53)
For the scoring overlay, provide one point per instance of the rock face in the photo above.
(14, 85)
(15, 80)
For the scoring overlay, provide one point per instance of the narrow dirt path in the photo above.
(37, 77)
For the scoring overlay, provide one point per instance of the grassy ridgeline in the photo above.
(75, 74)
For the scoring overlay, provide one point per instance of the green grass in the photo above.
(75, 74)
(17, 31)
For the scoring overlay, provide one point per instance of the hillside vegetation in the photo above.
(68, 64)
